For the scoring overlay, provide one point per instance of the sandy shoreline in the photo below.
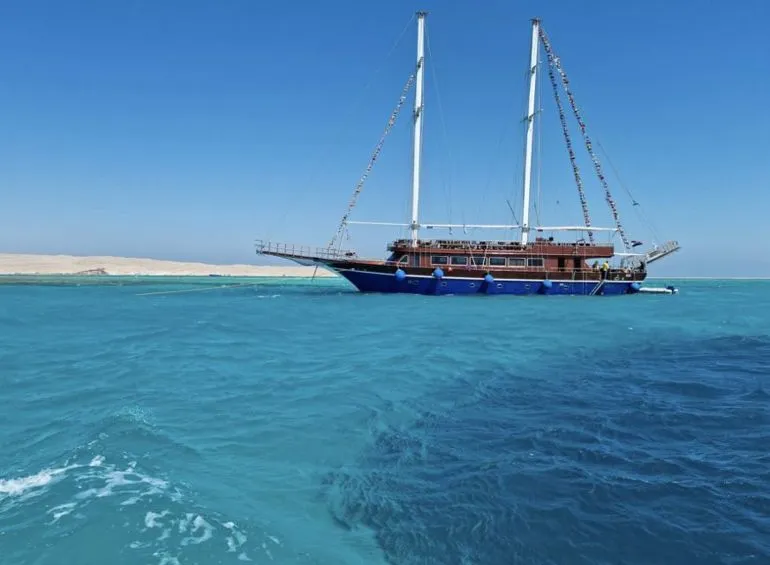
(27, 264)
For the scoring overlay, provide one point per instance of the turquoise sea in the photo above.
(300, 422)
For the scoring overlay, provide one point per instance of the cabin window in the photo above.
(457, 260)
(578, 264)
(561, 263)
(535, 262)
(404, 260)
(497, 262)
(439, 260)
(517, 262)
(478, 261)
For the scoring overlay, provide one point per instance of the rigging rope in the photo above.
(589, 148)
(328, 148)
(448, 148)
(636, 204)
(568, 141)
(372, 160)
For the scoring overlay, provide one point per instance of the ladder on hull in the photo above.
(598, 288)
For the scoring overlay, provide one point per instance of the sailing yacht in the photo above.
(531, 264)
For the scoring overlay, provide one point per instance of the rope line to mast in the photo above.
(568, 141)
(635, 203)
(375, 154)
(342, 123)
(447, 147)
(589, 147)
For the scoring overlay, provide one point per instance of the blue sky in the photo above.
(186, 129)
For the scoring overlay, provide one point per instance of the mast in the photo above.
(417, 144)
(530, 129)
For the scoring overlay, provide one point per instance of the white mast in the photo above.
(530, 129)
(418, 107)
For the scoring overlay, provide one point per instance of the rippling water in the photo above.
(301, 422)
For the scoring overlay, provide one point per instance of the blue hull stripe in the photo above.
(366, 281)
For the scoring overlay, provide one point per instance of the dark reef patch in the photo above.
(655, 455)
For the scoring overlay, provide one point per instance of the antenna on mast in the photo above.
(417, 143)
(530, 129)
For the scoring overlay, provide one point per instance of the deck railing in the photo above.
(654, 254)
(456, 244)
(303, 251)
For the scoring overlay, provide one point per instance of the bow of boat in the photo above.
(329, 258)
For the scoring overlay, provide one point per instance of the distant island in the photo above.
(28, 264)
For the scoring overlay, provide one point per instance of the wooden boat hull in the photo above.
(386, 277)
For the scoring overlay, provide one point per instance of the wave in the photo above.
(164, 522)
(149, 505)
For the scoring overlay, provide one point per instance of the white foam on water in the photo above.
(122, 480)
(267, 551)
(240, 538)
(183, 523)
(61, 510)
(165, 531)
(199, 524)
(15, 487)
(236, 539)
(189, 529)
(165, 558)
(131, 500)
(21, 485)
(103, 480)
(97, 461)
(151, 519)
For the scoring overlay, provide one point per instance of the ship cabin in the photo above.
(542, 254)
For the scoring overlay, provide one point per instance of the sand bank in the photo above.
(18, 264)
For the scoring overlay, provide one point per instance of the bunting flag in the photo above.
(587, 140)
(568, 141)
(373, 159)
